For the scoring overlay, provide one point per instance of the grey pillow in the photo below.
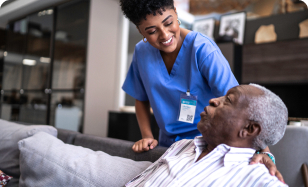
(10, 134)
(47, 161)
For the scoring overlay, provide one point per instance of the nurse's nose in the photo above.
(215, 102)
(164, 34)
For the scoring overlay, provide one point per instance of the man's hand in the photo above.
(264, 159)
(144, 144)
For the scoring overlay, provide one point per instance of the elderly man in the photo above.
(233, 127)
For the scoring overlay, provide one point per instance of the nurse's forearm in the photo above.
(143, 117)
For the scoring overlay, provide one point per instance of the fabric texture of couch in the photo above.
(47, 161)
(291, 152)
(111, 146)
(11, 133)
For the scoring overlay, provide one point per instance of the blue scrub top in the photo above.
(199, 67)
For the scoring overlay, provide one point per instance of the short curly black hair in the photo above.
(136, 10)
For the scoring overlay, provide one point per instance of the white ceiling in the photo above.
(20, 8)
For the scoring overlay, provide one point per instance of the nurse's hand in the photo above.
(144, 144)
(264, 159)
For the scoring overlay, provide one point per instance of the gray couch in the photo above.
(291, 152)
(23, 165)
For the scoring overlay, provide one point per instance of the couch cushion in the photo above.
(47, 161)
(11, 133)
(116, 147)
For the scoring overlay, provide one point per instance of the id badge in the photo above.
(188, 105)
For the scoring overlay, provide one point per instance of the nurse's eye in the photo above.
(169, 23)
(152, 32)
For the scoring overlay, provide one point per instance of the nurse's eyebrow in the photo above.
(162, 22)
(149, 27)
(166, 18)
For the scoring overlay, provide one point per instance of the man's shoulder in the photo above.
(260, 175)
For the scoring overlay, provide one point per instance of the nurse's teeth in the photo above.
(167, 41)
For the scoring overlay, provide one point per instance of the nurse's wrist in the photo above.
(144, 137)
(147, 134)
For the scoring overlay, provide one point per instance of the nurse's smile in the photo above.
(168, 42)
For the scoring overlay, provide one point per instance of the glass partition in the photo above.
(70, 46)
(15, 50)
(67, 110)
(29, 107)
(44, 63)
(36, 61)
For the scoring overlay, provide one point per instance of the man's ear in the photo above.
(251, 129)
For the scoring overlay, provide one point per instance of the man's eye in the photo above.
(229, 100)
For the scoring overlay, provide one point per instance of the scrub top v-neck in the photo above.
(175, 64)
(199, 67)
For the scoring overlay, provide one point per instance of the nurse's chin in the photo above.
(168, 49)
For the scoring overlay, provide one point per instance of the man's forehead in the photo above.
(244, 92)
(248, 90)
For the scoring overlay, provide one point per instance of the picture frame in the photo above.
(205, 26)
(233, 26)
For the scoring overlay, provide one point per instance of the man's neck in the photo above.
(204, 153)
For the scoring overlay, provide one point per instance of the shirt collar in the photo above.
(232, 155)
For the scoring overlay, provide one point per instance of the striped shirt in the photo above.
(223, 166)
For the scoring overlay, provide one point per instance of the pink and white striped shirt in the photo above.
(224, 166)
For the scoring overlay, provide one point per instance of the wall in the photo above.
(103, 80)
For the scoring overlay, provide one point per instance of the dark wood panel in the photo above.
(279, 62)
(123, 125)
(233, 54)
(286, 26)
(2, 39)
(294, 96)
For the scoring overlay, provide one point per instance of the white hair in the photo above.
(272, 115)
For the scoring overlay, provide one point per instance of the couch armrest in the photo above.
(67, 136)
(116, 147)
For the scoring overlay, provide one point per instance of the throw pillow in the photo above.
(47, 161)
(4, 179)
(10, 134)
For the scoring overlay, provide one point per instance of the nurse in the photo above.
(171, 71)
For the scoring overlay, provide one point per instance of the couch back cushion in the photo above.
(116, 147)
(290, 153)
(10, 134)
(47, 161)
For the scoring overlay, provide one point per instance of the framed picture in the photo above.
(233, 26)
(205, 27)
